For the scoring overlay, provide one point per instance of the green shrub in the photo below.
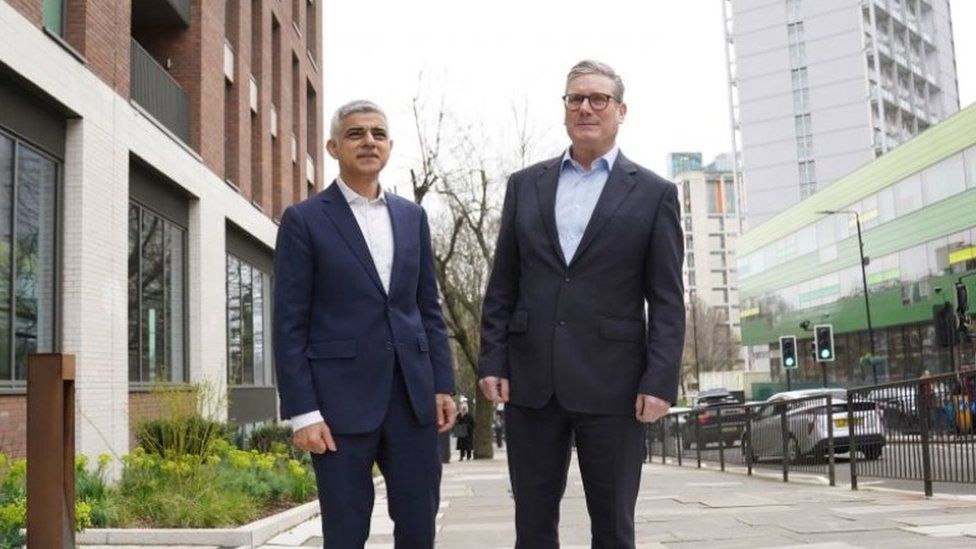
(13, 500)
(189, 435)
(275, 438)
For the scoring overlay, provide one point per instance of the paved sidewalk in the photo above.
(687, 508)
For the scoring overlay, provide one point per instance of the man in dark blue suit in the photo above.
(363, 361)
(583, 321)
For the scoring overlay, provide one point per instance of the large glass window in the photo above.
(28, 214)
(943, 180)
(157, 296)
(970, 160)
(248, 309)
(908, 195)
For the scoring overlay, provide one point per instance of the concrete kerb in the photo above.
(250, 535)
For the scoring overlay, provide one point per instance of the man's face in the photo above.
(588, 127)
(362, 146)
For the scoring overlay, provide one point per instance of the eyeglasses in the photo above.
(598, 101)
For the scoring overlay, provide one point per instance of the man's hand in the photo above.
(494, 388)
(650, 408)
(316, 438)
(446, 412)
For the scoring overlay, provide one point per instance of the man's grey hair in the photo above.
(352, 107)
(588, 66)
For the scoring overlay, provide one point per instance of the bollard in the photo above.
(51, 450)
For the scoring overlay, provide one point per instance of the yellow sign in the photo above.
(963, 255)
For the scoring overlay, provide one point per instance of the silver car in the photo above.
(807, 432)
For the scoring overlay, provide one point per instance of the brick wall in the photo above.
(144, 406)
(31, 9)
(260, 167)
(13, 425)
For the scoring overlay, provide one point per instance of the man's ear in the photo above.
(333, 148)
(622, 112)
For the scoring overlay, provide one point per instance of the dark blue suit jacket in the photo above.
(577, 327)
(337, 333)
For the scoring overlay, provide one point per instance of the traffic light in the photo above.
(787, 347)
(824, 341)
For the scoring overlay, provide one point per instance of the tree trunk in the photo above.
(484, 436)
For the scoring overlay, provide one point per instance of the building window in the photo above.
(28, 224)
(157, 298)
(729, 195)
(310, 19)
(799, 78)
(801, 100)
(248, 310)
(54, 16)
(794, 10)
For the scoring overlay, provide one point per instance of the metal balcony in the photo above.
(161, 13)
(159, 94)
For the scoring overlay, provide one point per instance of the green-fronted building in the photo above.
(917, 206)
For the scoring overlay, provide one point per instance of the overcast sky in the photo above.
(485, 57)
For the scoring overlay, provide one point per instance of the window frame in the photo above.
(11, 384)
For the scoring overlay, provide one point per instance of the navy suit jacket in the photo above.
(337, 333)
(578, 327)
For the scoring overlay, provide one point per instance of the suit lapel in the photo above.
(618, 186)
(397, 222)
(338, 211)
(546, 197)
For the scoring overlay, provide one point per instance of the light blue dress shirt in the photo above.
(576, 197)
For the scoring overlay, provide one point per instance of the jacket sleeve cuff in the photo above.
(304, 420)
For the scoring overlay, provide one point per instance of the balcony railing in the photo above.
(159, 94)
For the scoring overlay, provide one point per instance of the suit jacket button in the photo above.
(566, 280)
(562, 322)
(389, 345)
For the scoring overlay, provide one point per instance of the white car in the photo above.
(807, 432)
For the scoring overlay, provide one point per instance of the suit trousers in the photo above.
(610, 449)
(406, 453)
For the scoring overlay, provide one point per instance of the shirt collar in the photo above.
(607, 160)
(352, 196)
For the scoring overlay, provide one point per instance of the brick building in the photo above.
(147, 148)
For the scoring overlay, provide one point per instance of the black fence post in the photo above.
(664, 441)
(830, 440)
(679, 439)
(747, 441)
(852, 439)
(785, 435)
(721, 439)
(925, 433)
(698, 441)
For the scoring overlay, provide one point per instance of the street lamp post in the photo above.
(864, 283)
(694, 325)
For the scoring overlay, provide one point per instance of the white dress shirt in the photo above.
(373, 219)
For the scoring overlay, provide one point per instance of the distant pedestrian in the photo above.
(464, 431)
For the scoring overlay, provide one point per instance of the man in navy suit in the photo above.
(583, 321)
(363, 361)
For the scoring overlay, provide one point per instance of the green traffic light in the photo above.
(789, 361)
(825, 353)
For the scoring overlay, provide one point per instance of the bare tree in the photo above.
(466, 198)
(710, 344)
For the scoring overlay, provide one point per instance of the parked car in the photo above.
(807, 426)
(718, 417)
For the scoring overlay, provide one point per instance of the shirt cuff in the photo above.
(306, 419)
